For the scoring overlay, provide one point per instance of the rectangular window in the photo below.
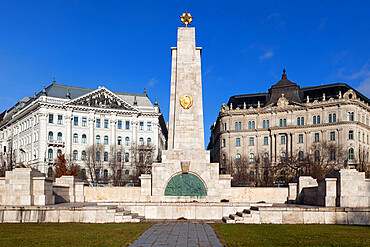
(84, 121)
(97, 123)
(119, 125)
(332, 136)
(149, 126)
(317, 137)
(237, 142)
(51, 118)
(265, 140)
(300, 138)
(251, 141)
(282, 140)
(60, 119)
(75, 121)
(141, 126)
(127, 125)
(106, 123)
(223, 143)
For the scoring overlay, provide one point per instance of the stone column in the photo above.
(68, 121)
(327, 192)
(91, 119)
(43, 130)
(146, 187)
(113, 126)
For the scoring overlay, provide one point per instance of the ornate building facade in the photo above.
(70, 120)
(288, 121)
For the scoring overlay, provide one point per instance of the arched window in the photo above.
(83, 155)
(332, 155)
(350, 135)
(106, 140)
(119, 156)
(298, 121)
(119, 140)
(314, 120)
(268, 124)
(302, 120)
(83, 138)
(253, 125)
(351, 154)
(83, 173)
(264, 124)
(265, 158)
(330, 118)
(127, 172)
(237, 158)
(334, 118)
(105, 156)
(318, 119)
(50, 153)
(98, 139)
(59, 152)
(149, 141)
(50, 171)
(97, 173)
(51, 135)
(127, 141)
(240, 125)
(75, 154)
(105, 173)
(97, 156)
(127, 157)
(251, 175)
(60, 136)
(75, 138)
(317, 155)
(284, 122)
(249, 125)
(236, 125)
(141, 141)
(148, 158)
(300, 155)
(282, 157)
(251, 158)
(141, 157)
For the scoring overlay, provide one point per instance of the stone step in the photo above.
(254, 208)
(137, 219)
(227, 220)
(236, 217)
(246, 211)
(243, 214)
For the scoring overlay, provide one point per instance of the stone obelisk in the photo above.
(185, 169)
(186, 104)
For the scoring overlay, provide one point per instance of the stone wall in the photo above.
(256, 194)
(26, 186)
(94, 194)
(61, 193)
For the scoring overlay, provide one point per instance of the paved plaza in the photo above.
(178, 234)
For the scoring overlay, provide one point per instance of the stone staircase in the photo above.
(247, 216)
(124, 216)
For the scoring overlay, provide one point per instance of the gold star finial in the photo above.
(186, 18)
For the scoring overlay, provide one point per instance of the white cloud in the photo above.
(322, 24)
(152, 82)
(364, 87)
(267, 55)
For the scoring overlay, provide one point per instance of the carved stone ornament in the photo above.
(282, 102)
(186, 101)
(185, 165)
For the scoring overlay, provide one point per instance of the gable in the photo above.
(101, 98)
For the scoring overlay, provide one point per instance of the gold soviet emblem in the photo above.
(186, 101)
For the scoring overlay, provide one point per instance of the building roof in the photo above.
(292, 92)
(71, 92)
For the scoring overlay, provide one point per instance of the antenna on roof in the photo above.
(156, 102)
(144, 90)
(135, 101)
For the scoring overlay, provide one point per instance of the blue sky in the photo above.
(125, 46)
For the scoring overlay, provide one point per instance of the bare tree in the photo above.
(94, 162)
(142, 159)
(116, 165)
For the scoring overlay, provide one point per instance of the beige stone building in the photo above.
(69, 120)
(287, 121)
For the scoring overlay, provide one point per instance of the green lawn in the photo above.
(292, 235)
(70, 234)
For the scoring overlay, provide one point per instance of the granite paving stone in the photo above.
(178, 234)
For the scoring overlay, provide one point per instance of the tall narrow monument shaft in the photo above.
(186, 129)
